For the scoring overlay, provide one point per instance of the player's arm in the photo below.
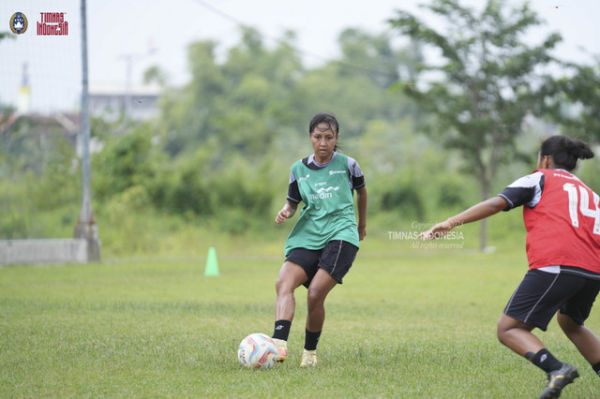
(357, 180)
(288, 210)
(477, 212)
(361, 199)
(293, 199)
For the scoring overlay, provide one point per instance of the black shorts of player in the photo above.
(541, 294)
(335, 258)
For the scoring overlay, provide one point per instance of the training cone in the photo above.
(212, 266)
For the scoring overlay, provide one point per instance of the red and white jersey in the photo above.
(562, 218)
(563, 228)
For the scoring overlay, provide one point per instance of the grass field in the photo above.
(405, 324)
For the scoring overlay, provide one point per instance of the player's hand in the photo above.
(362, 233)
(437, 231)
(282, 216)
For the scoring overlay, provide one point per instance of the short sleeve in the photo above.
(526, 190)
(293, 190)
(357, 179)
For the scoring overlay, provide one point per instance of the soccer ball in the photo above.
(257, 351)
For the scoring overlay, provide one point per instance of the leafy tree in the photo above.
(258, 94)
(186, 112)
(7, 35)
(155, 74)
(574, 101)
(356, 87)
(374, 57)
(125, 161)
(36, 174)
(244, 101)
(485, 84)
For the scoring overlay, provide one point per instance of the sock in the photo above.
(596, 368)
(311, 339)
(282, 329)
(544, 360)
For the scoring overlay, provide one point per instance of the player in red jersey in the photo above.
(562, 219)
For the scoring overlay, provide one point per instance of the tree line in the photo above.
(429, 134)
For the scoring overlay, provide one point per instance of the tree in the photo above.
(7, 35)
(126, 161)
(574, 101)
(157, 75)
(244, 100)
(356, 86)
(487, 81)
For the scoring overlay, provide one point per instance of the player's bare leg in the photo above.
(290, 277)
(584, 339)
(319, 287)
(517, 336)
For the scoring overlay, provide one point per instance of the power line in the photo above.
(237, 21)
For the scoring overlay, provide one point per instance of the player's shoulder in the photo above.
(299, 168)
(347, 159)
(529, 180)
(300, 162)
(560, 176)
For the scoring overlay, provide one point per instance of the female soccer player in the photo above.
(322, 245)
(562, 219)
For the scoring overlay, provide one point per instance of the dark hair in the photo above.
(324, 117)
(565, 151)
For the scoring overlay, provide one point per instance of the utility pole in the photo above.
(130, 59)
(86, 227)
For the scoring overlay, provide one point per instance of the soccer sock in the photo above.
(282, 329)
(311, 339)
(544, 360)
(596, 368)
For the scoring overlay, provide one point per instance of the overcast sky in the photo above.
(119, 28)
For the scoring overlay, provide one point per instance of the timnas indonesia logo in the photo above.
(52, 24)
(18, 23)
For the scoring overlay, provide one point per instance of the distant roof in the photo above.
(68, 120)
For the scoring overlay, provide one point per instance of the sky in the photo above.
(158, 32)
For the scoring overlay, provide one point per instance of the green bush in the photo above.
(451, 192)
(126, 161)
(192, 193)
(403, 197)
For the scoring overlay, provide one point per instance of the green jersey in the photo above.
(328, 211)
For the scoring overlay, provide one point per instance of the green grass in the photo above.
(406, 323)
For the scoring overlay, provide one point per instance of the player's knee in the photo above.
(282, 286)
(314, 296)
(502, 331)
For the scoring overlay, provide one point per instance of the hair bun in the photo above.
(580, 149)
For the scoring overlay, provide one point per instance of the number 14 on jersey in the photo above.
(583, 200)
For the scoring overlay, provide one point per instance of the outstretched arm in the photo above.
(477, 212)
(286, 212)
(361, 199)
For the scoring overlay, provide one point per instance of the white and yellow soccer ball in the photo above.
(257, 351)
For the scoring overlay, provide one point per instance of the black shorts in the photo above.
(336, 259)
(541, 294)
